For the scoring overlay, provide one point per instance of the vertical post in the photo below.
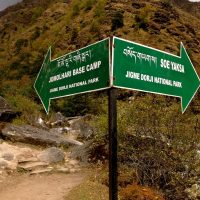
(113, 169)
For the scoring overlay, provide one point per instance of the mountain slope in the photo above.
(29, 28)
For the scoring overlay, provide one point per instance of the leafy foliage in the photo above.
(25, 106)
(21, 43)
(157, 142)
(117, 20)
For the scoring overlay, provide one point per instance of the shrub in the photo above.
(141, 22)
(36, 34)
(20, 43)
(99, 9)
(88, 4)
(37, 12)
(74, 35)
(156, 141)
(95, 27)
(75, 8)
(117, 20)
(79, 105)
(142, 19)
(28, 108)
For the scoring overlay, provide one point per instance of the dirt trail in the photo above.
(39, 187)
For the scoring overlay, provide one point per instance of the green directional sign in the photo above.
(84, 70)
(138, 67)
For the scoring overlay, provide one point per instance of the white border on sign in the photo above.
(181, 49)
(47, 111)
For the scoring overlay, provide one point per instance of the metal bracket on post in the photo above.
(113, 168)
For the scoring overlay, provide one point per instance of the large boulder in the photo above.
(36, 136)
(6, 113)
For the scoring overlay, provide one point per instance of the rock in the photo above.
(6, 113)
(81, 126)
(41, 171)
(8, 156)
(52, 155)
(81, 153)
(73, 170)
(60, 130)
(63, 170)
(36, 136)
(3, 163)
(32, 165)
(58, 120)
(73, 162)
(26, 160)
(41, 123)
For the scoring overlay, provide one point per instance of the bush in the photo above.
(141, 22)
(79, 105)
(75, 8)
(100, 8)
(117, 20)
(161, 144)
(156, 141)
(88, 4)
(37, 12)
(29, 109)
(74, 35)
(95, 27)
(20, 43)
(36, 34)
(142, 19)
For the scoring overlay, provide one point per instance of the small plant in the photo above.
(75, 8)
(141, 22)
(99, 9)
(29, 109)
(37, 12)
(35, 34)
(74, 35)
(95, 27)
(142, 19)
(88, 4)
(20, 43)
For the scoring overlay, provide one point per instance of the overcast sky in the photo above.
(5, 3)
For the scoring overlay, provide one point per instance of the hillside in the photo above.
(191, 7)
(158, 146)
(29, 28)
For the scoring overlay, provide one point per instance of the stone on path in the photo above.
(52, 155)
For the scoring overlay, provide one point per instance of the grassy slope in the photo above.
(68, 26)
(27, 31)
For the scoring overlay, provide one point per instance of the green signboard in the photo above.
(84, 70)
(138, 67)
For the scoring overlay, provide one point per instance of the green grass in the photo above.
(88, 190)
